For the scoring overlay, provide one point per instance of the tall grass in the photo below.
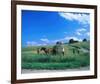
(54, 62)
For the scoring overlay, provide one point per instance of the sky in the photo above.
(47, 27)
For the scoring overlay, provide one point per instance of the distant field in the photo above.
(32, 60)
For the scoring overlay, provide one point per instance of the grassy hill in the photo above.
(70, 60)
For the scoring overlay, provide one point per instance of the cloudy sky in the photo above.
(45, 27)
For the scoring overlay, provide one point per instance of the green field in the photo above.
(70, 60)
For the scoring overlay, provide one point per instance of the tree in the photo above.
(71, 41)
(84, 40)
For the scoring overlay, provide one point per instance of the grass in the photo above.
(85, 45)
(31, 60)
(50, 65)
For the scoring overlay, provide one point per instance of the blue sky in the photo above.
(46, 27)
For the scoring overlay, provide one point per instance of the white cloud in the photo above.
(45, 40)
(31, 43)
(54, 41)
(80, 31)
(75, 38)
(88, 33)
(80, 17)
(44, 44)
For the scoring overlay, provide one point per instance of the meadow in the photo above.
(32, 60)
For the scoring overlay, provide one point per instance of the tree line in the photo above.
(76, 41)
